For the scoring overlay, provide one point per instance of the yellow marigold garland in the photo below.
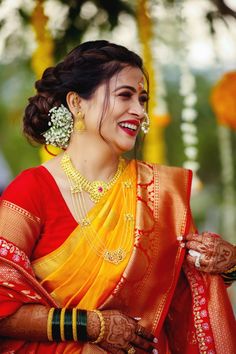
(43, 56)
(223, 100)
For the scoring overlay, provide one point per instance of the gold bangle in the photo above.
(62, 324)
(231, 270)
(74, 324)
(102, 327)
(49, 324)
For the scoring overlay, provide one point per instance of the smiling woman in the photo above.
(91, 255)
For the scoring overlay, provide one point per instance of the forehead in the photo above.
(128, 76)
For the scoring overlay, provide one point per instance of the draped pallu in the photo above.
(178, 304)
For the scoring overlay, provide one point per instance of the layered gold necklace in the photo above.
(96, 189)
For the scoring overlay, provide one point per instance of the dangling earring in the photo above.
(145, 125)
(79, 125)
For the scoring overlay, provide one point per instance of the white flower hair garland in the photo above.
(61, 127)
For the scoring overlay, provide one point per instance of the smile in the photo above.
(130, 127)
(133, 127)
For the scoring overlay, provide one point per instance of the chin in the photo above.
(126, 148)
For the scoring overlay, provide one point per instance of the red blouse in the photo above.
(36, 191)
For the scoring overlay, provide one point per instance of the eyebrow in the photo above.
(131, 88)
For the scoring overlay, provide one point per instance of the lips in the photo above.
(130, 126)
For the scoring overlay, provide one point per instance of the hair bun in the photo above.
(36, 118)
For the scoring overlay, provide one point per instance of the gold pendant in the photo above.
(97, 190)
(114, 257)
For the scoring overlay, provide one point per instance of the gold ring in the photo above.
(131, 350)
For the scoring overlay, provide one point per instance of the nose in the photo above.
(137, 109)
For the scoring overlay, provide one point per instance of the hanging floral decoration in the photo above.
(42, 58)
(161, 115)
(188, 117)
(154, 146)
(223, 100)
(43, 55)
(189, 113)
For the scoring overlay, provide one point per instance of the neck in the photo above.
(94, 160)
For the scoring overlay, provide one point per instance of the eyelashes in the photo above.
(142, 98)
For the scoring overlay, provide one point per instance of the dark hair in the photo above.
(84, 69)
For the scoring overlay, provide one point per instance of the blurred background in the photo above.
(189, 50)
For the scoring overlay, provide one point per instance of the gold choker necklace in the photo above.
(95, 189)
(97, 244)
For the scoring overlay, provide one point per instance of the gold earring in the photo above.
(79, 125)
(145, 125)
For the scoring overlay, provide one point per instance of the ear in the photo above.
(73, 101)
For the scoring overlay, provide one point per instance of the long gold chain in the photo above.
(95, 189)
(95, 242)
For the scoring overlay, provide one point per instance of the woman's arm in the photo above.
(29, 323)
(120, 332)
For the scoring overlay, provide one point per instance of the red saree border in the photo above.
(20, 210)
(201, 318)
(29, 288)
(12, 253)
(184, 229)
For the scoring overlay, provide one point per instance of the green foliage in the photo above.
(16, 85)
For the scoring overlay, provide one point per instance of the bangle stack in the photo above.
(66, 325)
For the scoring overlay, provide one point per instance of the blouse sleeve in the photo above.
(20, 211)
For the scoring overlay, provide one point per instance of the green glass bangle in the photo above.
(229, 277)
(68, 325)
(82, 325)
(56, 334)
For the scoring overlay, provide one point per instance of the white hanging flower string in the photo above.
(189, 113)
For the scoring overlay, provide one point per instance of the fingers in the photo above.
(143, 344)
(192, 260)
(192, 237)
(194, 245)
(144, 333)
(144, 339)
(206, 235)
(202, 262)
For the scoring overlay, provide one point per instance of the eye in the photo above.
(143, 99)
(125, 94)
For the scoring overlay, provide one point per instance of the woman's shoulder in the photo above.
(24, 181)
(25, 189)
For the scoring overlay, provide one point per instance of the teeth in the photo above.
(129, 125)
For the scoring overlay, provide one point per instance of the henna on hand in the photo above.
(121, 331)
(218, 255)
(93, 325)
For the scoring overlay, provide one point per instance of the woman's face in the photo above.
(124, 111)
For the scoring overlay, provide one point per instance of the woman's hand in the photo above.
(214, 255)
(122, 334)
